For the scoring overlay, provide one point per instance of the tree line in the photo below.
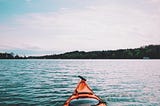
(11, 56)
(145, 52)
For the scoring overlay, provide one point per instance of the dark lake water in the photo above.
(51, 82)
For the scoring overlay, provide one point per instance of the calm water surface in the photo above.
(51, 82)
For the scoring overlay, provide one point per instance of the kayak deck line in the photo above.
(84, 93)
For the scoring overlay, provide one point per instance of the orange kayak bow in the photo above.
(83, 96)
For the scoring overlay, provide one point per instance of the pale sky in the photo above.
(35, 27)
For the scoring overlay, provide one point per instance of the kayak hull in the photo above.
(83, 91)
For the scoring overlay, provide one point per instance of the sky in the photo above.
(37, 27)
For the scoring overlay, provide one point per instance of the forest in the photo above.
(11, 56)
(145, 52)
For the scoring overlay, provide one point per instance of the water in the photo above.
(51, 82)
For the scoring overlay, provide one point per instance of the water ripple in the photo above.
(51, 82)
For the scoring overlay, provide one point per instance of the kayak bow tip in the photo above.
(82, 78)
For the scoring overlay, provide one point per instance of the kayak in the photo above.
(84, 96)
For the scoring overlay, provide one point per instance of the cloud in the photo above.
(154, 1)
(96, 27)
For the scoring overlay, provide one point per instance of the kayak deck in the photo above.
(83, 96)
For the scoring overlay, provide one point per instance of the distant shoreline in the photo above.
(145, 52)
